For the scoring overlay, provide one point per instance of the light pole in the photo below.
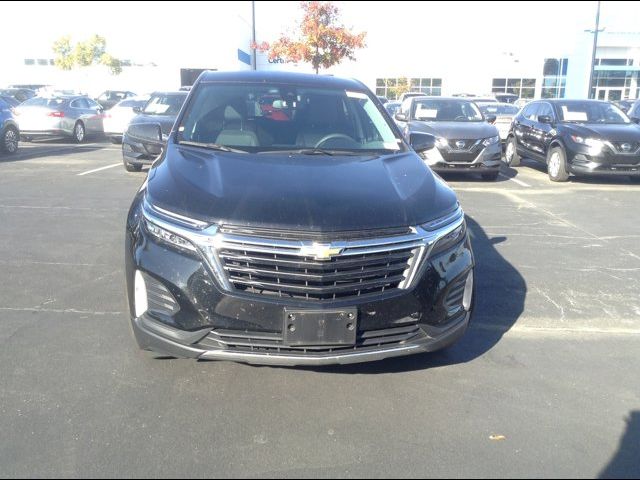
(593, 52)
(253, 35)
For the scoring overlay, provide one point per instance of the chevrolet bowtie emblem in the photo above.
(320, 251)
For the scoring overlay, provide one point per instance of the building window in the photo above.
(554, 79)
(615, 84)
(523, 87)
(29, 61)
(392, 88)
(614, 62)
(43, 61)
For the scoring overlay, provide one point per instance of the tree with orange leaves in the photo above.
(322, 40)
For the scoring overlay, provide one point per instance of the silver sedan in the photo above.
(75, 117)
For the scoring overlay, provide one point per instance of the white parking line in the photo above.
(98, 169)
(519, 182)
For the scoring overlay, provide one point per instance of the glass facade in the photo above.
(554, 79)
(523, 87)
(392, 88)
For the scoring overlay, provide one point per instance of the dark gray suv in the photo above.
(10, 133)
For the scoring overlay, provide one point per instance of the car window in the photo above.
(590, 112)
(437, 110)
(405, 107)
(43, 102)
(264, 117)
(164, 104)
(3, 105)
(80, 103)
(92, 104)
(530, 112)
(544, 109)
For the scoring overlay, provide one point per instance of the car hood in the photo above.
(456, 130)
(627, 132)
(299, 192)
(165, 121)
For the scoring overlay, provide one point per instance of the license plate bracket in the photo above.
(320, 327)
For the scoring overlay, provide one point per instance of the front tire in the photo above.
(10, 139)
(557, 165)
(491, 176)
(79, 132)
(511, 157)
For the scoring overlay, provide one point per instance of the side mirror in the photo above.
(422, 141)
(491, 119)
(149, 134)
(635, 120)
(401, 117)
(545, 119)
(137, 109)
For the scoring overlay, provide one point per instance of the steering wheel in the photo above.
(459, 117)
(332, 136)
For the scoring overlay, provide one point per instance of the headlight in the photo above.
(167, 236)
(442, 142)
(595, 145)
(450, 240)
(491, 140)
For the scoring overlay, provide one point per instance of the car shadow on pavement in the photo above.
(53, 147)
(499, 302)
(626, 462)
(585, 180)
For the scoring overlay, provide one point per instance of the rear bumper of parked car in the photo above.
(613, 165)
(194, 317)
(489, 159)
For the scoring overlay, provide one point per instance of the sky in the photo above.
(396, 31)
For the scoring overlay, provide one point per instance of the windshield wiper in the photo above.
(211, 146)
(314, 151)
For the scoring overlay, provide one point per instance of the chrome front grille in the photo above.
(283, 274)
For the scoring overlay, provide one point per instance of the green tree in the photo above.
(84, 54)
(322, 40)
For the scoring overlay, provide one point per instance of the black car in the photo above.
(110, 98)
(20, 94)
(392, 107)
(161, 109)
(583, 137)
(315, 237)
(624, 105)
(634, 112)
(466, 140)
(9, 131)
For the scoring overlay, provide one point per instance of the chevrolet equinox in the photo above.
(306, 233)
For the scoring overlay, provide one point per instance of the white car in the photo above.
(116, 119)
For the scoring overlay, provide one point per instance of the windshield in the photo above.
(269, 117)
(165, 104)
(447, 111)
(496, 109)
(591, 112)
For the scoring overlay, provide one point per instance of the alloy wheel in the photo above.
(11, 141)
(554, 164)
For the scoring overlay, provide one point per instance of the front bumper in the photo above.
(489, 159)
(207, 322)
(611, 165)
(137, 153)
(153, 335)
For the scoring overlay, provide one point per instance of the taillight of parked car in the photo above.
(56, 114)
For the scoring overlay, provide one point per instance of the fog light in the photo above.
(468, 292)
(140, 294)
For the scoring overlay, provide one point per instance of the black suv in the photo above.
(314, 236)
(582, 137)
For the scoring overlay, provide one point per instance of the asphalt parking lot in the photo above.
(545, 383)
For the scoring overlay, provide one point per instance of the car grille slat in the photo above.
(319, 289)
(333, 276)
